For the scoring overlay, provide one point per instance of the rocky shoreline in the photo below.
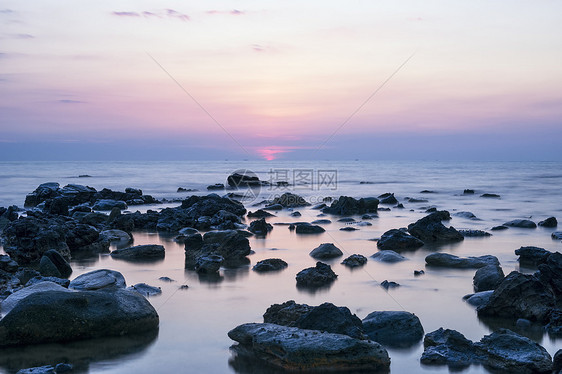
(41, 304)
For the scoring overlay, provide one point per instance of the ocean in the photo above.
(194, 322)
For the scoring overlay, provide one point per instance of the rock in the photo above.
(399, 206)
(452, 261)
(39, 279)
(388, 256)
(557, 362)
(490, 195)
(499, 228)
(349, 228)
(286, 314)
(554, 325)
(260, 227)
(85, 238)
(347, 206)
(229, 244)
(47, 369)
(209, 264)
(307, 228)
(520, 296)
(427, 191)
(346, 219)
(318, 276)
(388, 199)
(321, 222)
(193, 242)
(532, 256)
(291, 348)
(363, 223)
(60, 316)
(389, 284)
(270, 264)
(11, 301)
(7, 264)
(479, 298)
(332, 319)
(243, 178)
(140, 252)
(326, 251)
(414, 200)
(43, 192)
(25, 274)
(216, 187)
(550, 273)
(429, 229)
(449, 347)
(474, 233)
(523, 323)
(319, 206)
(417, 273)
(107, 204)
(521, 223)
(549, 222)
(468, 192)
(145, 289)
(117, 237)
(398, 240)
(487, 278)
(556, 235)
(97, 280)
(395, 329)
(52, 264)
(289, 200)
(260, 213)
(354, 261)
(296, 214)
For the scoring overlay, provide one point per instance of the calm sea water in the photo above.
(194, 322)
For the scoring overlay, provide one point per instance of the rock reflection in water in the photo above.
(81, 354)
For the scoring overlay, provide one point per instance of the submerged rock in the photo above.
(549, 222)
(209, 264)
(487, 278)
(140, 252)
(347, 206)
(260, 227)
(532, 256)
(474, 233)
(290, 200)
(452, 261)
(326, 251)
(398, 240)
(307, 228)
(388, 256)
(260, 213)
(521, 223)
(354, 261)
(479, 298)
(429, 229)
(393, 328)
(318, 276)
(145, 289)
(292, 348)
(270, 264)
(97, 280)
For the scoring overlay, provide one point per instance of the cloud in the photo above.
(165, 13)
(6, 11)
(233, 12)
(68, 101)
(22, 36)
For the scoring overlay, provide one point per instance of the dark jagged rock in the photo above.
(243, 178)
(490, 195)
(398, 240)
(429, 229)
(131, 196)
(260, 227)
(468, 192)
(39, 279)
(260, 213)
(215, 187)
(415, 200)
(520, 296)
(389, 256)
(386, 284)
(532, 256)
(208, 264)
(231, 245)
(452, 261)
(474, 233)
(487, 278)
(107, 204)
(140, 252)
(43, 192)
(347, 206)
(292, 348)
(318, 276)
(61, 316)
(349, 228)
(395, 329)
(467, 215)
(7, 264)
(354, 261)
(270, 264)
(549, 222)
(52, 264)
(326, 251)
(307, 228)
(290, 200)
(554, 325)
(286, 314)
(449, 347)
(557, 362)
(388, 199)
(550, 273)
(521, 223)
(296, 214)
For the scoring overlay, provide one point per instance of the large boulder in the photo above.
(487, 278)
(11, 301)
(61, 316)
(140, 252)
(231, 245)
(452, 261)
(97, 280)
(393, 328)
(297, 349)
(429, 229)
(318, 276)
(346, 206)
(398, 240)
(326, 251)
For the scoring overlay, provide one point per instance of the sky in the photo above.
(186, 80)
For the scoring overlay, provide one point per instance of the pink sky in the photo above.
(277, 78)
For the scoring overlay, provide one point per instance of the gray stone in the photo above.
(521, 223)
(347, 206)
(388, 256)
(556, 235)
(326, 251)
(117, 237)
(452, 261)
(467, 215)
(98, 279)
(321, 222)
(292, 348)
(260, 227)
(393, 328)
(487, 278)
(140, 252)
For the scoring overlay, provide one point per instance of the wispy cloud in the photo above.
(162, 14)
(6, 11)
(22, 36)
(233, 12)
(68, 101)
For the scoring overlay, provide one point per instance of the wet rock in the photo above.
(398, 240)
(270, 264)
(554, 325)
(215, 187)
(346, 219)
(145, 289)
(321, 222)
(393, 328)
(260, 227)
(349, 228)
(106, 204)
(468, 192)
(347, 206)
(318, 276)
(520, 296)
(286, 314)
(429, 229)
(550, 273)
(557, 362)
(292, 348)
(417, 273)
(479, 298)
(490, 195)
(549, 222)
(296, 214)
(260, 213)
(290, 200)
(326, 251)
(11, 301)
(449, 347)
(474, 233)
(7, 264)
(193, 242)
(354, 261)
(97, 280)
(388, 256)
(388, 199)
(209, 264)
(386, 284)
(38, 279)
(499, 228)
(210, 205)
(229, 244)
(43, 192)
(556, 235)
(117, 237)
(60, 316)
(415, 200)
(532, 256)
(329, 318)
(452, 261)
(243, 178)
(25, 274)
(52, 264)
(140, 252)
(521, 223)
(487, 278)
(307, 228)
